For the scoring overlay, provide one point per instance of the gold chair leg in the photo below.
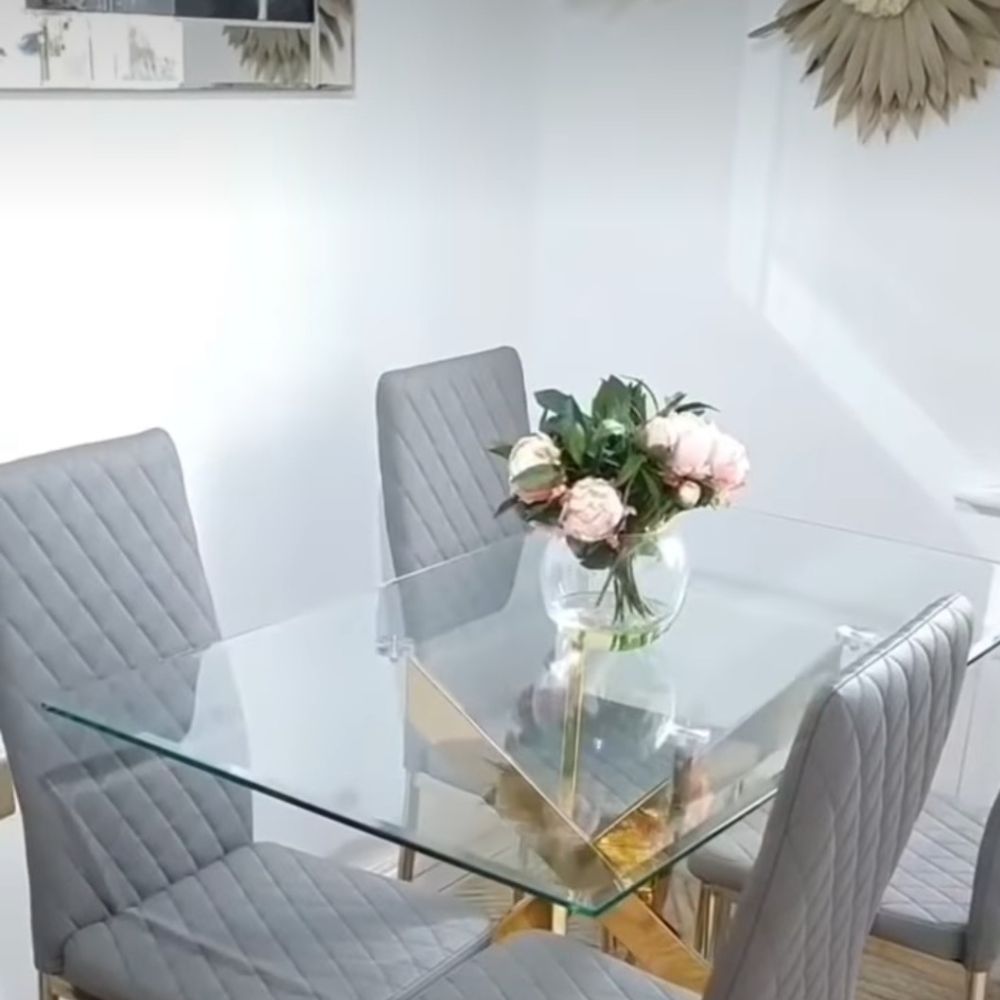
(53, 988)
(705, 920)
(8, 804)
(977, 985)
(607, 942)
(724, 907)
(411, 813)
(406, 863)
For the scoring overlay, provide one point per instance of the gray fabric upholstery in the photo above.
(856, 779)
(983, 940)
(441, 488)
(926, 906)
(545, 967)
(948, 862)
(144, 880)
(269, 922)
(440, 485)
(99, 570)
(727, 860)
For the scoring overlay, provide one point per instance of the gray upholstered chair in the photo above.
(855, 781)
(440, 485)
(943, 899)
(145, 880)
(441, 488)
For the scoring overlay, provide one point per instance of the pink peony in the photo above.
(695, 452)
(730, 465)
(592, 511)
(685, 441)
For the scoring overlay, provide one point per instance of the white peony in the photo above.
(536, 451)
(532, 452)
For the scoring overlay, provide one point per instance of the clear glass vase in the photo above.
(634, 595)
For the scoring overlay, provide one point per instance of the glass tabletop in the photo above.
(447, 713)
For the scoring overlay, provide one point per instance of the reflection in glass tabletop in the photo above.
(446, 713)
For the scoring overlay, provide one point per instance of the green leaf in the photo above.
(644, 386)
(541, 513)
(501, 450)
(631, 468)
(554, 401)
(612, 400)
(575, 440)
(672, 403)
(538, 477)
(696, 408)
(593, 555)
(509, 504)
(637, 403)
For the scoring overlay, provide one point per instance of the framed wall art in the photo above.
(176, 44)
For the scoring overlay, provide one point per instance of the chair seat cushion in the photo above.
(926, 906)
(545, 967)
(270, 922)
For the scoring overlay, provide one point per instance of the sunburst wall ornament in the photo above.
(888, 61)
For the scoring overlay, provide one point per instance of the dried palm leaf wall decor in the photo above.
(892, 60)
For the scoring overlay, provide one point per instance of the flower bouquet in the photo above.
(609, 483)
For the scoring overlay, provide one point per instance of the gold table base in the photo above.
(635, 924)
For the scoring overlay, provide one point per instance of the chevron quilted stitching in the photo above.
(175, 577)
(434, 481)
(301, 931)
(267, 922)
(95, 565)
(441, 487)
(916, 694)
(132, 784)
(882, 734)
(836, 829)
(501, 403)
(460, 452)
(931, 885)
(98, 571)
(540, 967)
(26, 582)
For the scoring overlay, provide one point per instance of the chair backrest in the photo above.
(99, 574)
(855, 781)
(440, 485)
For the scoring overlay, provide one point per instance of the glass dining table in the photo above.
(446, 714)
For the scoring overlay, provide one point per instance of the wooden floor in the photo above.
(889, 973)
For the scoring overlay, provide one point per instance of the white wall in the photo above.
(240, 271)
(701, 223)
(606, 185)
